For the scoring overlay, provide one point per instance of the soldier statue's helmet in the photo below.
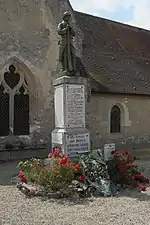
(66, 14)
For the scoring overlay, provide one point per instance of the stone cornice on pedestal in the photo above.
(70, 80)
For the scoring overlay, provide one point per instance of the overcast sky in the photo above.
(135, 12)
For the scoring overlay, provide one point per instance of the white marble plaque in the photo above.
(59, 107)
(108, 149)
(57, 138)
(78, 143)
(75, 106)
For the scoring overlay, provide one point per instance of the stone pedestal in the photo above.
(70, 132)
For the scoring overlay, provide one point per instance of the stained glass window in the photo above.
(4, 112)
(14, 104)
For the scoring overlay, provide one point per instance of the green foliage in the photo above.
(56, 176)
(123, 170)
(92, 171)
(96, 173)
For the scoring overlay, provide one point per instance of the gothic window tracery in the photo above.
(14, 103)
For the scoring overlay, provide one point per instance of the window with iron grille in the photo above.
(14, 104)
(115, 120)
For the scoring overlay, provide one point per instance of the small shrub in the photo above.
(124, 171)
(56, 176)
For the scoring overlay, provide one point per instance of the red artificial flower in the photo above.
(21, 174)
(135, 185)
(143, 188)
(77, 166)
(124, 171)
(82, 178)
(22, 177)
(134, 158)
(64, 161)
(128, 155)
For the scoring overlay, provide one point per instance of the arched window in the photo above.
(115, 120)
(14, 104)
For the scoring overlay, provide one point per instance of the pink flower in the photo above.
(56, 151)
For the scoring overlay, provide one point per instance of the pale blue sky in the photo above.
(134, 12)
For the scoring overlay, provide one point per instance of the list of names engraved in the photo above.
(75, 106)
(77, 143)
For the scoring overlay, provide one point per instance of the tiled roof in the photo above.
(116, 55)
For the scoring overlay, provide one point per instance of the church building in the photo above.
(114, 57)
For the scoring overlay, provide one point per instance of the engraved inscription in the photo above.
(75, 106)
(78, 143)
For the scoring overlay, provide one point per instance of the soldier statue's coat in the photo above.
(66, 49)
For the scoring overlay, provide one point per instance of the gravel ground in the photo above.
(129, 208)
(15, 209)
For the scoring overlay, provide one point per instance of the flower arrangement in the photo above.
(91, 175)
(123, 166)
(57, 176)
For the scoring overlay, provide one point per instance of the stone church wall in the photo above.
(29, 41)
(135, 121)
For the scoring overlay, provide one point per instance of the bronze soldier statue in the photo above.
(67, 55)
